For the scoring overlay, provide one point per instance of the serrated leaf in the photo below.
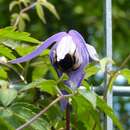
(39, 72)
(102, 105)
(10, 33)
(89, 96)
(126, 74)
(90, 70)
(48, 86)
(34, 108)
(84, 107)
(25, 114)
(10, 43)
(40, 12)
(33, 84)
(44, 85)
(25, 49)
(7, 96)
(50, 7)
(4, 51)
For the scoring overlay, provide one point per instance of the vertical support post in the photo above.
(108, 43)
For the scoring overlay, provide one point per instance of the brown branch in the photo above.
(43, 111)
(68, 116)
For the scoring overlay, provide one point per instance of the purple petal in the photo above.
(63, 102)
(77, 76)
(40, 49)
(91, 50)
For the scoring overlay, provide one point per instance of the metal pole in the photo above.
(117, 90)
(108, 42)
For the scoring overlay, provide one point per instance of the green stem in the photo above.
(115, 74)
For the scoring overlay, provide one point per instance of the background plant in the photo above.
(28, 88)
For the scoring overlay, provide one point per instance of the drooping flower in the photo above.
(70, 54)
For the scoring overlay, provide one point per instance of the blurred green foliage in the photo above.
(29, 87)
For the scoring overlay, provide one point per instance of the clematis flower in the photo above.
(69, 54)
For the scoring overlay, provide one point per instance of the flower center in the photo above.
(70, 62)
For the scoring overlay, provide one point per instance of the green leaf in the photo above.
(50, 7)
(105, 61)
(102, 105)
(13, 18)
(55, 76)
(10, 43)
(33, 84)
(25, 16)
(44, 85)
(4, 84)
(4, 125)
(21, 24)
(10, 33)
(90, 70)
(24, 49)
(84, 107)
(34, 108)
(3, 73)
(26, 114)
(4, 51)
(48, 86)
(89, 96)
(13, 4)
(126, 73)
(38, 71)
(40, 12)
(7, 96)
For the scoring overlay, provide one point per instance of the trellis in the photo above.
(117, 90)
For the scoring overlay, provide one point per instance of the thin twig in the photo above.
(42, 111)
(22, 11)
(115, 74)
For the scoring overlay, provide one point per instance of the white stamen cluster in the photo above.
(65, 46)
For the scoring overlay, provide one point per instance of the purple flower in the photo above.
(70, 54)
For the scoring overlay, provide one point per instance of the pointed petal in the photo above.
(92, 52)
(40, 49)
(77, 76)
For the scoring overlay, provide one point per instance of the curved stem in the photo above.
(115, 74)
